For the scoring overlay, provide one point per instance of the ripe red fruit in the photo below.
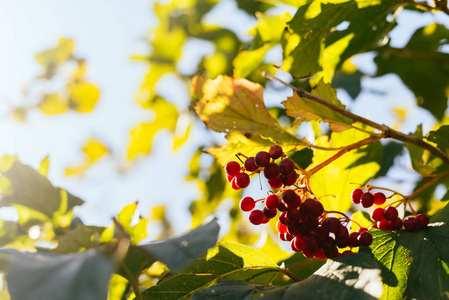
(379, 198)
(292, 229)
(256, 217)
(365, 238)
(353, 239)
(286, 166)
(242, 180)
(396, 224)
(332, 224)
(232, 168)
(383, 225)
(377, 214)
(367, 200)
(271, 171)
(319, 254)
(282, 207)
(355, 195)
(270, 213)
(281, 228)
(328, 243)
(275, 151)
(361, 229)
(288, 196)
(310, 223)
(321, 233)
(229, 177)
(262, 159)
(390, 213)
(247, 204)
(275, 183)
(308, 252)
(332, 253)
(250, 164)
(292, 216)
(410, 223)
(288, 236)
(311, 208)
(422, 221)
(342, 234)
(234, 184)
(271, 202)
(289, 179)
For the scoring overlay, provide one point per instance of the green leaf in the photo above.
(422, 161)
(308, 110)
(335, 179)
(355, 276)
(31, 189)
(227, 261)
(42, 276)
(79, 239)
(422, 67)
(299, 265)
(440, 137)
(227, 104)
(311, 43)
(415, 263)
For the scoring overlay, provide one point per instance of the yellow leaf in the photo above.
(55, 57)
(43, 166)
(142, 135)
(146, 90)
(52, 104)
(83, 96)
(93, 150)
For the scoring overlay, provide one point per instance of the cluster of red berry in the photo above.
(302, 220)
(387, 218)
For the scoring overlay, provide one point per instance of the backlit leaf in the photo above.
(83, 96)
(52, 104)
(79, 239)
(93, 151)
(227, 104)
(318, 47)
(55, 57)
(334, 180)
(308, 110)
(440, 137)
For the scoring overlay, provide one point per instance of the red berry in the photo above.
(271, 171)
(311, 208)
(275, 151)
(282, 218)
(292, 229)
(332, 224)
(379, 198)
(288, 236)
(286, 166)
(247, 204)
(422, 221)
(262, 159)
(410, 223)
(332, 253)
(355, 195)
(342, 234)
(256, 217)
(310, 223)
(327, 243)
(271, 202)
(321, 233)
(275, 183)
(232, 168)
(281, 228)
(242, 180)
(300, 242)
(377, 214)
(289, 196)
(396, 224)
(383, 225)
(234, 184)
(365, 238)
(367, 200)
(353, 239)
(229, 177)
(390, 213)
(308, 252)
(319, 254)
(292, 216)
(269, 213)
(361, 229)
(289, 179)
(250, 165)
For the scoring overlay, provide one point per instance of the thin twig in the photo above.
(387, 131)
(427, 184)
(133, 281)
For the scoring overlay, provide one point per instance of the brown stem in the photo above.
(133, 281)
(387, 131)
(346, 149)
(427, 184)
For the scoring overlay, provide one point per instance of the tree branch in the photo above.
(387, 131)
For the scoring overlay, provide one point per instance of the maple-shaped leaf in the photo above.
(228, 104)
(307, 110)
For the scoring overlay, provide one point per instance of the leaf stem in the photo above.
(133, 281)
(387, 131)
(427, 184)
